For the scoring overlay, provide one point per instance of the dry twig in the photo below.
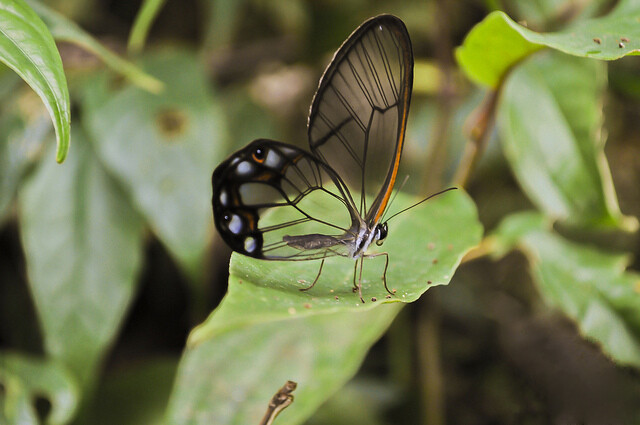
(281, 400)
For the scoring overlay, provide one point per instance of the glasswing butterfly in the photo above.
(356, 132)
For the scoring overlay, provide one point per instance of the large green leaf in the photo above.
(425, 247)
(266, 331)
(497, 43)
(549, 121)
(231, 378)
(64, 29)
(163, 149)
(24, 134)
(26, 46)
(23, 378)
(82, 243)
(588, 285)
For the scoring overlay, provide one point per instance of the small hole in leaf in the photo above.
(172, 122)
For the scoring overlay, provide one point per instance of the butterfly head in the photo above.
(381, 231)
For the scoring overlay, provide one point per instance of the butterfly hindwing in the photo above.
(358, 116)
(269, 175)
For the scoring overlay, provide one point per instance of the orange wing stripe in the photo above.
(396, 163)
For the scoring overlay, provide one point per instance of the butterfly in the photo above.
(356, 130)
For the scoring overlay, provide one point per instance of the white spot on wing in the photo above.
(244, 168)
(286, 150)
(224, 198)
(235, 224)
(273, 159)
(249, 244)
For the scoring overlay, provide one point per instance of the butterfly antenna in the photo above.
(425, 199)
(394, 196)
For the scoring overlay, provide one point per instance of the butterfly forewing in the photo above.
(358, 116)
(300, 193)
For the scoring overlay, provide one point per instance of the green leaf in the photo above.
(163, 149)
(142, 24)
(83, 244)
(24, 377)
(549, 121)
(497, 43)
(65, 30)
(26, 46)
(24, 134)
(231, 378)
(266, 331)
(588, 285)
(425, 246)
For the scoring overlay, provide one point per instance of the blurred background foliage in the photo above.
(109, 260)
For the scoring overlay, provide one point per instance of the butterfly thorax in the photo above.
(365, 237)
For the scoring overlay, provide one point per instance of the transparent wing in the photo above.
(358, 116)
(296, 189)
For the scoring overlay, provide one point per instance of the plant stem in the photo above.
(478, 127)
(428, 326)
(430, 368)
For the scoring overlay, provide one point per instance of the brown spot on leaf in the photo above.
(597, 40)
(171, 122)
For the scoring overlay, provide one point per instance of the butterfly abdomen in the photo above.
(311, 241)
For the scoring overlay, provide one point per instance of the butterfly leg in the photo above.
(316, 279)
(355, 273)
(386, 265)
(360, 280)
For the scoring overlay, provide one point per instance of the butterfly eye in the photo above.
(259, 155)
(381, 233)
